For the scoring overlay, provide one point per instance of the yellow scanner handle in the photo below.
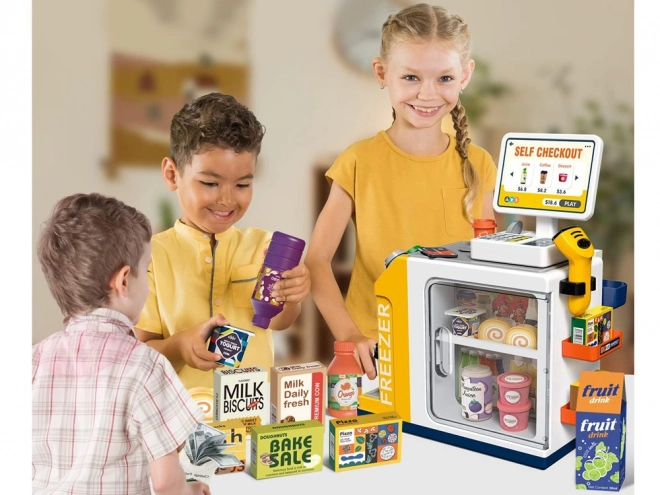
(578, 249)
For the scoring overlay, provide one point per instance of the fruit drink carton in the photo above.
(241, 393)
(286, 448)
(600, 431)
(297, 392)
(215, 448)
(364, 441)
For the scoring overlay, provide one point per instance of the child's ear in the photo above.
(379, 71)
(119, 281)
(170, 175)
(466, 74)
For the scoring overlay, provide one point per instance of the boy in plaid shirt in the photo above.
(108, 411)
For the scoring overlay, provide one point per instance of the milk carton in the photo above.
(241, 393)
(297, 392)
(600, 431)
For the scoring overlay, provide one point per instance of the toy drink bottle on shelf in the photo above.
(491, 361)
(284, 253)
(499, 364)
(518, 365)
(344, 381)
(532, 372)
(482, 357)
(462, 363)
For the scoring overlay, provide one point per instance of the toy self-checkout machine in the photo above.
(522, 277)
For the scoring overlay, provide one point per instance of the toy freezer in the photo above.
(518, 278)
(419, 355)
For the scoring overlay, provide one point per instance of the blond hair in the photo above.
(423, 22)
(88, 238)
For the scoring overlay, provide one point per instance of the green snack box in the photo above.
(286, 448)
(593, 327)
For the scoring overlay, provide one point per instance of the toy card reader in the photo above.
(547, 176)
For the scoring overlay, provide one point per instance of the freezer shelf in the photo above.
(487, 345)
(450, 411)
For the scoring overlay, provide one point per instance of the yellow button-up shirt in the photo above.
(190, 280)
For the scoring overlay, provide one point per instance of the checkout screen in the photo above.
(546, 174)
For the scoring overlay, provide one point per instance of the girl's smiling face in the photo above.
(424, 81)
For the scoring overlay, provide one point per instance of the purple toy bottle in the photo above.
(284, 253)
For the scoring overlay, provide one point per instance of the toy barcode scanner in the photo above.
(578, 249)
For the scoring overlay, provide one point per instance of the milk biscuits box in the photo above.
(364, 441)
(600, 431)
(213, 449)
(286, 448)
(297, 392)
(593, 327)
(241, 393)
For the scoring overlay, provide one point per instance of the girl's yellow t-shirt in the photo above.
(400, 201)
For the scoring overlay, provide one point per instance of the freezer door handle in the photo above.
(443, 359)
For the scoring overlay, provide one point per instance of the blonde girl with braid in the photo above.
(410, 184)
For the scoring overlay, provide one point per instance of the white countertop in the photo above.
(437, 466)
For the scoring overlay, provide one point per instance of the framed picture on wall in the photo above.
(164, 54)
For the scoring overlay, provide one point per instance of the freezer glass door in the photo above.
(487, 353)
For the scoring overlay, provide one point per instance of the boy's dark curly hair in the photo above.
(211, 121)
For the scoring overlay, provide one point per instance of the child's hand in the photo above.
(193, 344)
(197, 488)
(294, 286)
(364, 354)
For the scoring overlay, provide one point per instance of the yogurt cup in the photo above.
(513, 387)
(465, 320)
(231, 343)
(514, 417)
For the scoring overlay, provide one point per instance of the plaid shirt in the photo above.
(104, 405)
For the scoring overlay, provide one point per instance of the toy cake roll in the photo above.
(522, 335)
(494, 329)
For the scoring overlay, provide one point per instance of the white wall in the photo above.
(312, 104)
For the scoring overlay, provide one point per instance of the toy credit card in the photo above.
(438, 252)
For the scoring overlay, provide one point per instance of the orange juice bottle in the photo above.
(344, 381)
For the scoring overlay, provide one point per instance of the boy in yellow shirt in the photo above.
(204, 266)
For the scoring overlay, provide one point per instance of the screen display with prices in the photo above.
(552, 174)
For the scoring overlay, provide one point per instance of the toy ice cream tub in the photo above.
(514, 417)
(514, 388)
